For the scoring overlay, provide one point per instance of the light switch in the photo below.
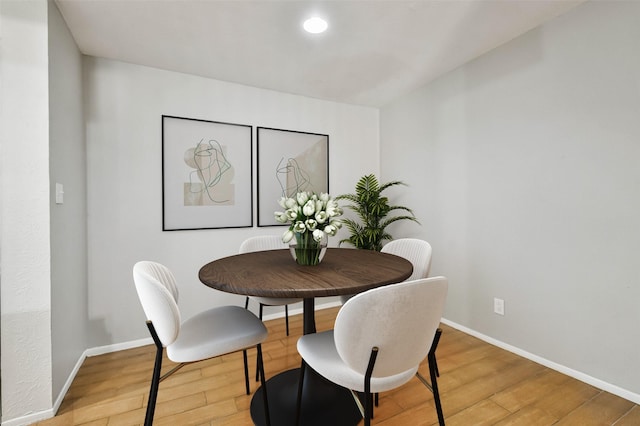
(59, 193)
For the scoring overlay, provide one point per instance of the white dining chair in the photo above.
(261, 243)
(416, 251)
(379, 339)
(217, 331)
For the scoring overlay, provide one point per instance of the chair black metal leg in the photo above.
(433, 373)
(264, 385)
(433, 349)
(434, 388)
(367, 409)
(153, 391)
(375, 403)
(155, 378)
(303, 366)
(259, 316)
(246, 371)
(246, 302)
(368, 397)
(286, 317)
(371, 406)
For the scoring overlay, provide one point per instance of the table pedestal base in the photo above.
(323, 403)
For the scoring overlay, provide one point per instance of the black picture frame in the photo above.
(288, 162)
(207, 174)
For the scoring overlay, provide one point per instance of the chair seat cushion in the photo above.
(319, 352)
(215, 332)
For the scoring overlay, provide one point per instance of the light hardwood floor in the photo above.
(480, 385)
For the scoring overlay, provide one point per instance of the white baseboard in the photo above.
(99, 350)
(29, 418)
(67, 384)
(600, 384)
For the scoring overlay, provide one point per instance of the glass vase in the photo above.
(307, 251)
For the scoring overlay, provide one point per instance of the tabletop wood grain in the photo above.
(274, 273)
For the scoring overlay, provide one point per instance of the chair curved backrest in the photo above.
(158, 294)
(262, 243)
(416, 251)
(400, 319)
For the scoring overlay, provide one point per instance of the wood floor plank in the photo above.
(421, 415)
(99, 422)
(239, 419)
(199, 415)
(564, 399)
(492, 363)
(130, 418)
(525, 393)
(175, 406)
(630, 418)
(462, 397)
(480, 384)
(106, 409)
(603, 409)
(530, 416)
(411, 394)
(388, 407)
(484, 413)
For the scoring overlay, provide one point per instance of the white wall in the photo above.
(524, 173)
(67, 158)
(24, 214)
(123, 118)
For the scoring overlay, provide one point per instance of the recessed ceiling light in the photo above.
(315, 25)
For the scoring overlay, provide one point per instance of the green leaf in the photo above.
(371, 210)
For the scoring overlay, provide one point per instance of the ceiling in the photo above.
(372, 52)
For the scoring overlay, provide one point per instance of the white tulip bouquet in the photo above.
(312, 217)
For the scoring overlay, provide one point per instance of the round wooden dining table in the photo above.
(274, 273)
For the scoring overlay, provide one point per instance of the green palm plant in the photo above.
(372, 209)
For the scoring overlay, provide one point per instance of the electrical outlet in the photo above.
(498, 306)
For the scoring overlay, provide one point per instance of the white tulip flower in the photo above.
(311, 224)
(318, 235)
(309, 208)
(288, 236)
(331, 230)
(322, 217)
(281, 217)
(292, 214)
(290, 203)
(299, 227)
(332, 208)
(302, 198)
